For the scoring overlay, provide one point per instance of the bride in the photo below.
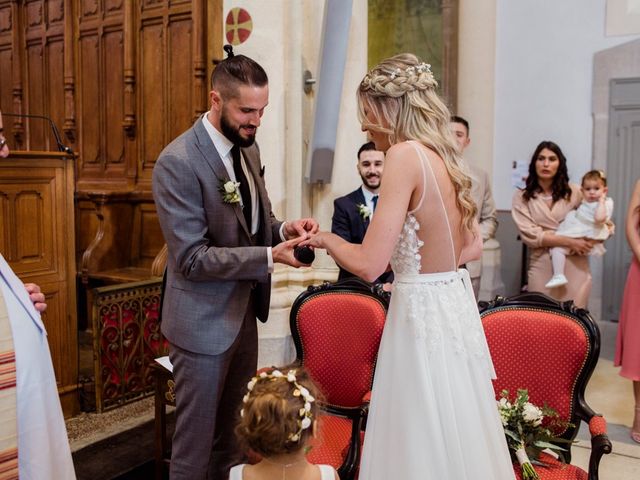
(433, 413)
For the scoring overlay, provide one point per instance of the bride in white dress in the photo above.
(433, 413)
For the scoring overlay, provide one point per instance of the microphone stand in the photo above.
(56, 134)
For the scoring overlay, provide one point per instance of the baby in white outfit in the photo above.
(590, 220)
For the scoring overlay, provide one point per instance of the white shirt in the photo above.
(368, 199)
(223, 146)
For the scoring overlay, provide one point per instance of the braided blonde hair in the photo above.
(400, 93)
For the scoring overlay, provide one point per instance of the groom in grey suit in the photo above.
(223, 241)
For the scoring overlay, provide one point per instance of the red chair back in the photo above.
(336, 329)
(547, 347)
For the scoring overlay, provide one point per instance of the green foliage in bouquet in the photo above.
(526, 435)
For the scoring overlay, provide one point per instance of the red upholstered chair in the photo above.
(336, 329)
(550, 348)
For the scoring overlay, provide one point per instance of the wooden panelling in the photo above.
(153, 91)
(121, 79)
(37, 208)
(88, 59)
(146, 248)
(113, 97)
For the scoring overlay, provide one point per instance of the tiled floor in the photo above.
(610, 394)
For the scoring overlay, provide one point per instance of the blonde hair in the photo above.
(270, 420)
(401, 94)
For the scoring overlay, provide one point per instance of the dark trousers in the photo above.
(209, 391)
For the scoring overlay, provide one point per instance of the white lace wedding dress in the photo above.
(433, 413)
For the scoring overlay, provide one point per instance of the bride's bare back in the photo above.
(433, 205)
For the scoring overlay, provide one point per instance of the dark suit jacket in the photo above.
(214, 266)
(349, 224)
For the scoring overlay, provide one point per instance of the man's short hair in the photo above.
(235, 71)
(457, 119)
(365, 147)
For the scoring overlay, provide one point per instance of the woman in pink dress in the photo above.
(628, 341)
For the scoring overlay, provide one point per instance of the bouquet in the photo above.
(526, 436)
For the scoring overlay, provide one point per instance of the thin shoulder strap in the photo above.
(424, 177)
(424, 159)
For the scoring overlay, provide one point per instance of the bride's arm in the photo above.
(472, 249)
(400, 179)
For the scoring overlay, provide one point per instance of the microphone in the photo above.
(56, 134)
(304, 254)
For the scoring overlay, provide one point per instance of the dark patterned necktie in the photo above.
(375, 202)
(245, 193)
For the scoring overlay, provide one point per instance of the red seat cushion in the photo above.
(554, 470)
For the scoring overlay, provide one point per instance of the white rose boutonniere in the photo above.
(364, 211)
(230, 191)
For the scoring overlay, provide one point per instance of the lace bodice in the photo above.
(406, 254)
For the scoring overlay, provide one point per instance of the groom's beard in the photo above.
(234, 133)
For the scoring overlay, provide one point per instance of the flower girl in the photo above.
(277, 420)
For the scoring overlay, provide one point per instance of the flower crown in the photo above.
(298, 391)
(411, 70)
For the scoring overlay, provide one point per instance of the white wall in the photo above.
(543, 72)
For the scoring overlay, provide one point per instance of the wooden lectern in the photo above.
(37, 238)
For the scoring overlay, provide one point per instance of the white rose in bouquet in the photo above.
(532, 414)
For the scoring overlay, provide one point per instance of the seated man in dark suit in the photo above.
(352, 213)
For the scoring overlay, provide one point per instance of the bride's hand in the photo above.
(315, 240)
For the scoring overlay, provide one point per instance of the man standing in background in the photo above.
(482, 196)
(353, 212)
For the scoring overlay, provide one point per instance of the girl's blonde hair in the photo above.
(400, 92)
(276, 405)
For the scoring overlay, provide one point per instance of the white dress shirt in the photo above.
(368, 199)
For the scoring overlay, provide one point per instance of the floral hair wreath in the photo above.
(298, 391)
(420, 68)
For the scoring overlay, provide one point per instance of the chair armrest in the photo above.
(600, 444)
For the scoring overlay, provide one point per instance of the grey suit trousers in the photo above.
(204, 444)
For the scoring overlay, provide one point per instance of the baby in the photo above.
(590, 220)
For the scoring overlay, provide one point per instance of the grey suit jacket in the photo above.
(214, 268)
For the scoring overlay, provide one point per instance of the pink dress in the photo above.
(628, 341)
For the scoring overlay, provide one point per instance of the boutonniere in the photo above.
(230, 191)
(364, 211)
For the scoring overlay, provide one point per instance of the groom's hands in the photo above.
(296, 232)
(300, 228)
(283, 252)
